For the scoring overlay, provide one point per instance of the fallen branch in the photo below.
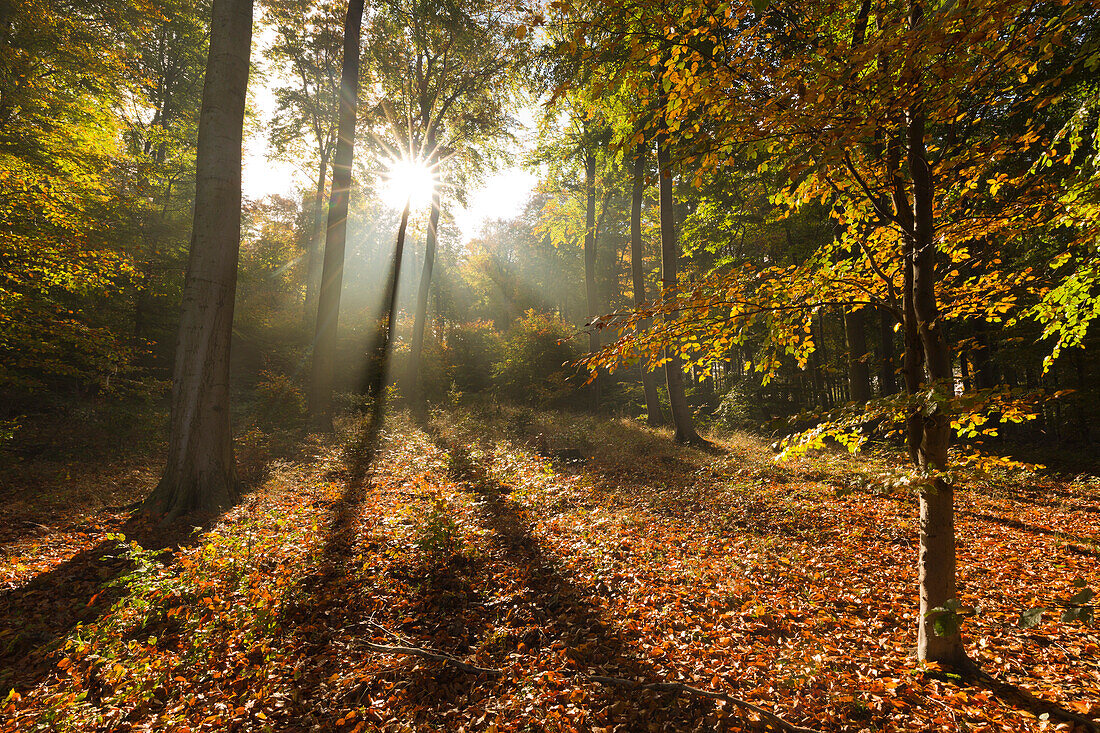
(412, 651)
(674, 687)
(681, 688)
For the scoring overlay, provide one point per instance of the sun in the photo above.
(407, 180)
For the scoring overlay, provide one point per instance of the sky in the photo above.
(502, 195)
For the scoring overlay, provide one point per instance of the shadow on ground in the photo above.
(37, 614)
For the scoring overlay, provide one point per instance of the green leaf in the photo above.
(1031, 618)
(1082, 614)
(1081, 598)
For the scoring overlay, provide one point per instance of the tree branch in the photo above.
(672, 687)
(411, 651)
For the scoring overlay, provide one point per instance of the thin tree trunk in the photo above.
(682, 421)
(313, 253)
(1082, 389)
(421, 318)
(637, 270)
(912, 360)
(332, 273)
(817, 363)
(591, 290)
(985, 376)
(888, 384)
(859, 371)
(936, 568)
(200, 473)
(378, 352)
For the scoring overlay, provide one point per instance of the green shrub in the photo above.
(279, 401)
(471, 350)
(535, 364)
(437, 536)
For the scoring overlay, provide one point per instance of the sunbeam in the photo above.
(409, 180)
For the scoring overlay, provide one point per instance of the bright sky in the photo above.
(501, 195)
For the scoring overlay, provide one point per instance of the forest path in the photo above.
(792, 586)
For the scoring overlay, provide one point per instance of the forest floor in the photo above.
(500, 569)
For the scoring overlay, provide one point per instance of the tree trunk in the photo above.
(421, 318)
(670, 260)
(937, 529)
(378, 351)
(912, 360)
(817, 363)
(200, 473)
(637, 271)
(591, 290)
(313, 252)
(859, 371)
(332, 273)
(888, 384)
(985, 376)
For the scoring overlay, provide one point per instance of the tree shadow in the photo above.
(1021, 699)
(1031, 528)
(562, 614)
(38, 614)
(446, 608)
(552, 614)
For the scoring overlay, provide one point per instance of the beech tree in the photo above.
(307, 47)
(918, 176)
(449, 77)
(637, 273)
(200, 473)
(332, 273)
(682, 421)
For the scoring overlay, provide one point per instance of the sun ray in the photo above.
(408, 179)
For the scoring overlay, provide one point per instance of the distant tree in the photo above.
(637, 270)
(332, 274)
(64, 233)
(682, 421)
(160, 132)
(449, 74)
(200, 473)
(307, 51)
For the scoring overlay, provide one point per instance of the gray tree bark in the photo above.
(859, 371)
(682, 421)
(332, 272)
(936, 569)
(591, 289)
(200, 473)
(637, 271)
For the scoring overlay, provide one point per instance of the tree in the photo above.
(64, 228)
(448, 75)
(947, 150)
(591, 288)
(200, 473)
(161, 130)
(637, 271)
(307, 45)
(682, 421)
(332, 274)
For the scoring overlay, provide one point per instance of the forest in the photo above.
(549, 365)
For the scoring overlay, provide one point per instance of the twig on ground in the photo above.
(674, 687)
(679, 687)
(412, 651)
